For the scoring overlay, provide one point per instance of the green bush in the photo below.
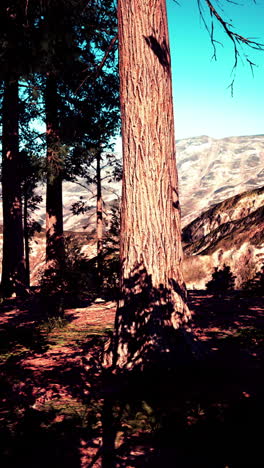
(222, 280)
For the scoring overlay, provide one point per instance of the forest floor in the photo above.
(56, 412)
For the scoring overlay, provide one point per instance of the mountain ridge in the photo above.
(210, 170)
(231, 233)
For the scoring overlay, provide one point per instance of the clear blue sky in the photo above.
(202, 103)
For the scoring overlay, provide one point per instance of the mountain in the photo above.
(232, 233)
(212, 170)
(225, 217)
(220, 178)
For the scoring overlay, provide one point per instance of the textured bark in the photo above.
(153, 294)
(54, 207)
(13, 265)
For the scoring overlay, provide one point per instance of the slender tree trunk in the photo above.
(99, 217)
(153, 294)
(26, 239)
(54, 207)
(13, 264)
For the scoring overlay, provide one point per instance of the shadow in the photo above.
(182, 411)
(199, 420)
(151, 325)
(160, 50)
(19, 320)
(58, 407)
(50, 388)
(49, 409)
(42, 441)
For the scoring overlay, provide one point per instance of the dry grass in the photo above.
(197, 270)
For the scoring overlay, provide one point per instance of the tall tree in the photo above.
(99, 215)
(54, 207)
(153, 294)
(19, 60)
(13, 264)
(152, 312)
(71, 41)
(14, 42)
(31, 172)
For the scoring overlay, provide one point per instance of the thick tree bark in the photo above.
(153, 294)
(54, 207)
(13, 264)
(99, 217)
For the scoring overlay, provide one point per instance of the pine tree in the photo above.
(256, 284)
(75, 112)
(17, 53)
(153, 307)
(13, 264)
(31, 171)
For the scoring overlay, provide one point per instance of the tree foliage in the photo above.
(255, 285)
(222, 280)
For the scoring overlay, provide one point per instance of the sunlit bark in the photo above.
(153, 294)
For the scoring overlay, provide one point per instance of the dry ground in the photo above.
(55, 409)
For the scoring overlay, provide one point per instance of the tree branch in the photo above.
(238, 40)
(100, 66)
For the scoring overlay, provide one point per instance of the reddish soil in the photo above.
(51, 389)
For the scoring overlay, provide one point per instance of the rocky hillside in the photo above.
(220, 178)
(210, 171)
(231, 232)
(239, 210)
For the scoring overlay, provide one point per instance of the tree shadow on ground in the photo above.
(49, 411)
(59, 409)
(196, 418)
(46, 388)
(203, 414)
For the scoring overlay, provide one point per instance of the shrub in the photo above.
(70, 284)
(222, 280)
(245, 268)
(110, 277)
(256, 284)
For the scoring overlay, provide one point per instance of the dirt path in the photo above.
(50, 380)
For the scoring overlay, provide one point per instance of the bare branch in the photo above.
(237, 40)
(100, 66)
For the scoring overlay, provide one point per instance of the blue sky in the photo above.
(202, 103)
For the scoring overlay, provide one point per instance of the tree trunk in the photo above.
(26, 239)
(54, 208)
(99, 217)
(153, 294)
(13, 264)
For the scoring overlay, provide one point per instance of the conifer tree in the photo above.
(74, 106)
(14, 62)
(153, 295)
(13, 264)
